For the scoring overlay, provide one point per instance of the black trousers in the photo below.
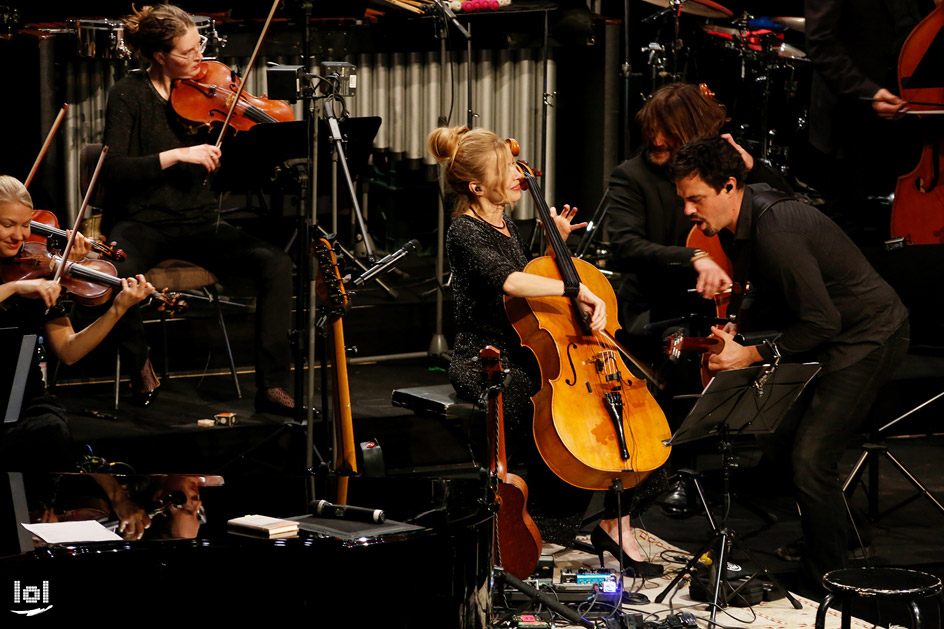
(40, 440)
(221, 249)
(816, 436)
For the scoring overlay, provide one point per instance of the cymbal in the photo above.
(790, 52)
(755, 40)
(703, 8)
(793, 23)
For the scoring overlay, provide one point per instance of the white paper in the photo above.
(72, 532)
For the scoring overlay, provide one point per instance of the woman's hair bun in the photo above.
(443, 142)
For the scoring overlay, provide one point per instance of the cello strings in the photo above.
(609, 356)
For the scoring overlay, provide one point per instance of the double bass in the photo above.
(918, 209)
(595, 422)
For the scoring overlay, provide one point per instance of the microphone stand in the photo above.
(338, 141)
(438, 346)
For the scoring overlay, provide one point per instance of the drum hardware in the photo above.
(675, 8)
(9, 19)
(768, 67)
(658, 75)
(206, 26)
(793, 23)
(104, 38)
(701, 8)
(100, 39)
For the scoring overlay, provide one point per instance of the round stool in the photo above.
(907, 586)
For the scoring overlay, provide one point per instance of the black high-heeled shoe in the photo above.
(602, 542)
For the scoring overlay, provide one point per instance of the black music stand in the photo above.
(738, 402)
(265, 154)
(11, 400)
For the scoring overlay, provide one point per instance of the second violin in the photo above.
(45, 225)
(90, 282)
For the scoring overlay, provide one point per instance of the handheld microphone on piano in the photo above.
(176, 498)
(387, 263)
(324, 509)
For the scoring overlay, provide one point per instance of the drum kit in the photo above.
(104, 38)
(747, 61)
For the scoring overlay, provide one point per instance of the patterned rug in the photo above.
(765, 615)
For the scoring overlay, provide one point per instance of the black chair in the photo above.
(878, 584)
(177, 276)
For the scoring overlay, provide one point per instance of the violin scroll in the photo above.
(172, 304)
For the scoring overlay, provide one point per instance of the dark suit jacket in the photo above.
(854, 46)
(648, 228)
(647, 231)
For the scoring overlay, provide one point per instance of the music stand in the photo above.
(746, 401)
(11, 400)
(258, 157)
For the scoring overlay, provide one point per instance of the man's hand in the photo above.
(889, 106)
(712, 279)
(748, 160)
(734, 355)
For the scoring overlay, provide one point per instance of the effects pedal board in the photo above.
(575, 586)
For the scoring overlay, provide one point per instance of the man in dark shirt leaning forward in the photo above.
(831, 306)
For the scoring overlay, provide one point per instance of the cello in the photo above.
(918, 209)
(594, 421)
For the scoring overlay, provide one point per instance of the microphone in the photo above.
(176, 498)
(325, 509)
(387, 263)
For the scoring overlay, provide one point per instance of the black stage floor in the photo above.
(165, 438)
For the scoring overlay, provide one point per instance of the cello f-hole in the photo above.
(573, 370)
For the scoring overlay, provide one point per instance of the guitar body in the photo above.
(519, 541)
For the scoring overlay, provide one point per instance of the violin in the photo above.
(45, 225)
(595, 422)
(918, 209)
(206, 98)
(90, 282)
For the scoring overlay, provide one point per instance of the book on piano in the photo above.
(264, 526)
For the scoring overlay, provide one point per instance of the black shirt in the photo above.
(139, 125)
(648, 229)
(811, 282)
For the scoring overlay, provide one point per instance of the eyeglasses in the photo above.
(190, 56)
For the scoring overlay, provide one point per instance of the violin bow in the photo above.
(49, 137)
(242, 81)
(81, 214)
